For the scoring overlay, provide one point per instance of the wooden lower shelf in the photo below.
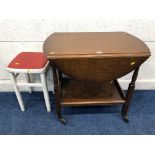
(75, 93)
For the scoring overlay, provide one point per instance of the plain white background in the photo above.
(77, 145)
(30, 9)
(77, 9)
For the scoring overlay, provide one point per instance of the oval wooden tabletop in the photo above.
(88, 44)
(95, 56)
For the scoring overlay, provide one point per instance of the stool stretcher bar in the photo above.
(30, 84)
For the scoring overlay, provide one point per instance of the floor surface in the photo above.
(105, 120)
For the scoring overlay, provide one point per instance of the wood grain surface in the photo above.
(95, 56)
(86, 44)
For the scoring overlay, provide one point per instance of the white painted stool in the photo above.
(29, 63)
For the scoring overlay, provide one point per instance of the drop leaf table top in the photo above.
(94, 61)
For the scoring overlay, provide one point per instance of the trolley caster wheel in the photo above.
(125, 119)
(62, 120)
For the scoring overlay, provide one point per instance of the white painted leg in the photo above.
(19, 97)
(28, 80)
(51, 75)
(45, 91)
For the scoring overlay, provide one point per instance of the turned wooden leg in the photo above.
(129, 95)
(57, 90)
(59, 111)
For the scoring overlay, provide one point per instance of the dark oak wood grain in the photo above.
(90, 44)
(75, 93)
(94, 61)
(95, 56)
(98, 69)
